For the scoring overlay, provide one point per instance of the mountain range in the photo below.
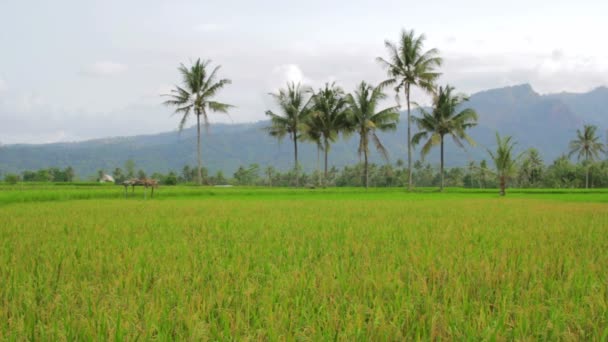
(546, 122)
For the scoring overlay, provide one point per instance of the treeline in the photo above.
(531, 172)
(52, 174)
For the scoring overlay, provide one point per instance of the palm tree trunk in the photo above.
(503, 185)
(441, 188)
(318, 165)
(295, 149)
(409, 139)
(366, 170)
(587, 178)
(326, 153)
(198, 148)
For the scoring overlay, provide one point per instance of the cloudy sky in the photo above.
(80, 69)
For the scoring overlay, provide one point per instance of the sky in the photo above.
(72, 70)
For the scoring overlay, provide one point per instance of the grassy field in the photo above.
(83, 263)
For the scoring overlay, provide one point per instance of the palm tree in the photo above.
(445, 119)
(409, 66)
(504, 161)
(195, 95)
(587, 146)
(328, 118)
(531, 168)
(294, 104)
(364, 119)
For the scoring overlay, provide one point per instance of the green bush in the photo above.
(171, 179)
(12, 178)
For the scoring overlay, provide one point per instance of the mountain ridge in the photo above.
(544, 121)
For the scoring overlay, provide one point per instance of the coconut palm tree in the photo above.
(504, 160)
(446, 118)
(294, 105)
(366, 120)
(328, 118)
(587, 146)
(408, 66)
(194, 96)
(531, 168)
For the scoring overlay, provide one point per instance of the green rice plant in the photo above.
(283, 264)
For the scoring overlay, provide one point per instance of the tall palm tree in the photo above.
(504, 160)
(446, 118)
(366, 120)
(294, 104)
(408, 65)
(328, 117)
(194, 96)
(587, 146)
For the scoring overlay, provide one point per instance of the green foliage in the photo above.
(295, 109)
(504, 160)
(446, 118)
(52, 174)
(366, 120)
(531, 170)
(170, 179)
(410, 66)
(328, 118)
(11, 178)
(247, 176)
(587, 146)
(195, 96)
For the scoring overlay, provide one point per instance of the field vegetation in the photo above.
(81, 262)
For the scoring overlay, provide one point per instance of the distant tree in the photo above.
(469, 179)
(100, 174)
(29, 176)
(69, 174)
(587, 146)
(247, 176)
(562, 173)
(130, 167)
(141, 174)
(531, 170)
(294, 106)
(269, 171)
(171, 179)
(328, 118)
(199, 87)
(483, 171)
(455, 176)
(366, 120)
(446, 118)
(187, 173)
(504, 160)
(219, 178)
(399, 163)
(409, 66)
(118, 175)
(11, 178)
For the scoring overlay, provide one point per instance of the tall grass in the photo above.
(346, 266)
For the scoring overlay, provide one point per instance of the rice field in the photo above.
(84, 263)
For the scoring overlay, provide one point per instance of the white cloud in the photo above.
(105, 68)
(3, 86)
(208, 27)
(287, 73)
